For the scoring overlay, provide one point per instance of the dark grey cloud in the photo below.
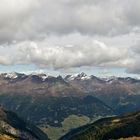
(20, 20)
(134, 67)
(131, 11)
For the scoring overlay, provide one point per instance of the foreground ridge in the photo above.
(14, 128)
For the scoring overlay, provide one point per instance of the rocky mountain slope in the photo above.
(53, 110)
(14, 128)
(121, 94)
(108, 128)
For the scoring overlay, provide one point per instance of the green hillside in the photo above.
(108, 128)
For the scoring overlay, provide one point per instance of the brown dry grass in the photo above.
(131, 138)
(5, 137)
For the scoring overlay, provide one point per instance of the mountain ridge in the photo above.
(80, 76)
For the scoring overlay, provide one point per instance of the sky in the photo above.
(70, 36)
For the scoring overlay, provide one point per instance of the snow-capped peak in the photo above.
(12, 75)
(81, 76)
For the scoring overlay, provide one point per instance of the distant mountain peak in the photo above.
(81, 76)
(43, 76)
(11, 75)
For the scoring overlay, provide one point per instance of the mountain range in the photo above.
(49, 101)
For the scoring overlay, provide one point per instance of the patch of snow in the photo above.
(85, 77)
(72, 77)
(81, 76)
(44, 77)
(11, 75)
(110, 79)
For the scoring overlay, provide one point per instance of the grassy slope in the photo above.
(73, 121)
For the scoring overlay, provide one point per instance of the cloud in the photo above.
(68, 33)
(34, 19)
(86, 53)
(74, 51)
(131, 11)
(15, 16)
(135, 59)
